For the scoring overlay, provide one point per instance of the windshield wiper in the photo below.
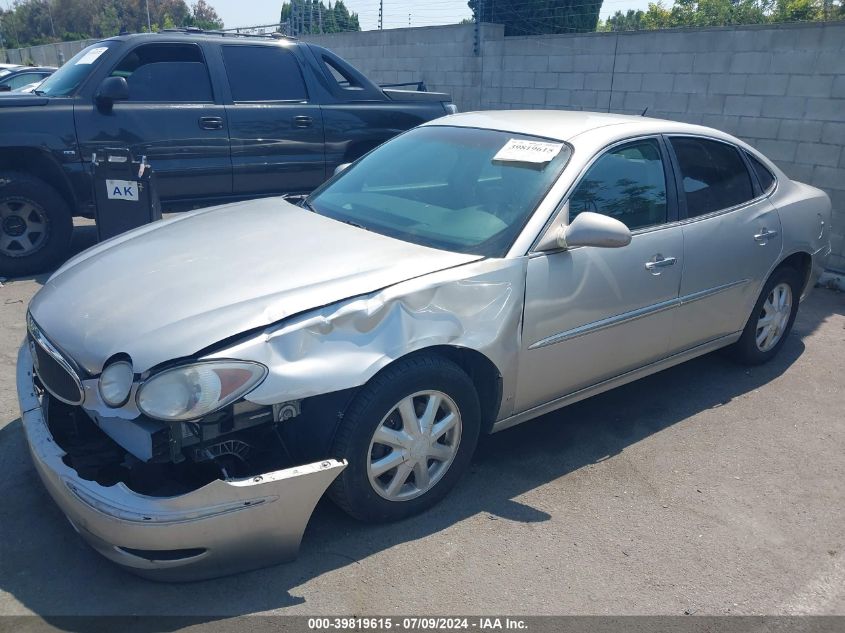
(38, 93)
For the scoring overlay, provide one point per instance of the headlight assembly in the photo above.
(192, 391)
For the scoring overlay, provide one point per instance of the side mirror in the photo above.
(5, 88)
(340, 168)
(587, 229)
(112, 89)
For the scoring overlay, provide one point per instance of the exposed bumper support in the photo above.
(222, 528)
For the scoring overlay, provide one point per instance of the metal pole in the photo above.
(50, 13)
(149, 24)
(380, 14)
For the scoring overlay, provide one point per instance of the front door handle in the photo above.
(302, 121)
(211, 122)
(764, 236)
(658, 262)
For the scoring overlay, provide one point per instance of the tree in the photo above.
(28, 23)
(312, 16)
(204, 16)
(538, 17)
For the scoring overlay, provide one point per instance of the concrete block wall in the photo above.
(46, 54)
(781, 88)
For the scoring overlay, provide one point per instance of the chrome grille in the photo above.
(55, 372)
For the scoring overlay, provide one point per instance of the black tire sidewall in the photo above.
(353, 489)
(746, 348)
(19, 186)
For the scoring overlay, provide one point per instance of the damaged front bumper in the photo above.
(221, 528)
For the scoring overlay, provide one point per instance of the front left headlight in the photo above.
(192, 391)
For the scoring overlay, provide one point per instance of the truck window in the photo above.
(166, 72)
(263, 73)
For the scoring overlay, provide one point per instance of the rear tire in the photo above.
(35, 225)
(377, 439)
(771, 319)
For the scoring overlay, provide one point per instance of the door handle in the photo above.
(302, 121)
(763, 236)
(211, 122)
(659, 262)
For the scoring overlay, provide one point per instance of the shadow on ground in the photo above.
(49, 570)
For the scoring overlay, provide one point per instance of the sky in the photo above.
(396, 12)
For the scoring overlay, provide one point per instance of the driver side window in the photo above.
(627, 183)
(166, 73)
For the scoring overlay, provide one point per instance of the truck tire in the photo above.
(35, 225)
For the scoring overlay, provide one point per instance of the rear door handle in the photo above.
(302, 121)
(211, 122)
(655, 265)
(764, 236)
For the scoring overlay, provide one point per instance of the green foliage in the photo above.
(698, 13)
(27, 22)
(302, 17)
(539, 17)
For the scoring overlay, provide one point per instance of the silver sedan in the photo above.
(192, 388)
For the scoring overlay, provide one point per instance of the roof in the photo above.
(190, 32)
(561, 125)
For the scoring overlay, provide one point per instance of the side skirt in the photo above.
(617, 381)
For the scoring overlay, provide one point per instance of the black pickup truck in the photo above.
(219, 117)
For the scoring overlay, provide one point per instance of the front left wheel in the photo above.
(408, 436)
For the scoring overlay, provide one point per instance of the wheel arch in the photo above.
(40, 164)
(482, 371)
(800, 261)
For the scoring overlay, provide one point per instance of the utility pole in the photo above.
(149, 24)
(320, 16)
(310, 16)
(380, 14)
(50, 13)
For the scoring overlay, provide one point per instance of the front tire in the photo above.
(771, 320)
(408, 436)
(35, 225)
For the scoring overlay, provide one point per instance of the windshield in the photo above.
(460, 189)
(68, 78)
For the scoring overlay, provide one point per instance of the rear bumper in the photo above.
(222, 528)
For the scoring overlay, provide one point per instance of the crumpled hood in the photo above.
(170, 289)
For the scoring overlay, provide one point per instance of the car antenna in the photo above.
(644, 111)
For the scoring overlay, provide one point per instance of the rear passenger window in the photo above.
(166, 72)
(714, 175)
(263, 73)
(765, 177)
(627, 183)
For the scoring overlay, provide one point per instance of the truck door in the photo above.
(171, 117)
(276, 131)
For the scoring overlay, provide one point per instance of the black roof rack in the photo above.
(193, 30)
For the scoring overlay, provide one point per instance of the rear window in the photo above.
(263, 73)
(714, 175)
(766, 178)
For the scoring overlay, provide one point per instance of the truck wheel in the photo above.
(408, 436)
(35, 225)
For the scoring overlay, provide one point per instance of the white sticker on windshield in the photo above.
(519, 151)
(91, 56)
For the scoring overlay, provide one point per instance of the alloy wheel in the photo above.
(23, 228)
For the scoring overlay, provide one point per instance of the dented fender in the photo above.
(476, 306)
